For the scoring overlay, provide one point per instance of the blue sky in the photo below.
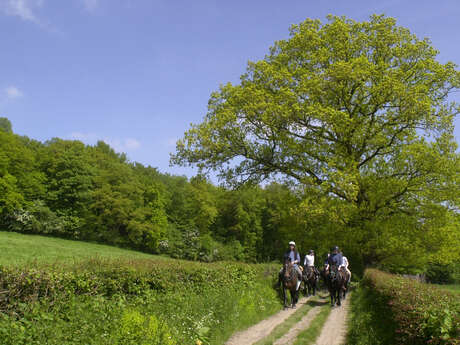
(136, 73)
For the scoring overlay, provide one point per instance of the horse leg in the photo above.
(285, 297)
(339, 303)
(294, 297)
(305, 287)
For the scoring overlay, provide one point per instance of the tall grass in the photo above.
(371, 321)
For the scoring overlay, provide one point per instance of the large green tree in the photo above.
(356, 113)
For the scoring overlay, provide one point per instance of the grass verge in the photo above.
(370, 320)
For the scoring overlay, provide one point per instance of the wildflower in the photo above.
(198, 342)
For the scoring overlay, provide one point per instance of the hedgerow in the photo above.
(104, 302)
(424, 314)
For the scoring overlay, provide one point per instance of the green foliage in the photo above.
(68, 189)
(371, 320)
(133, 302)
(5, 125)
(423, 313)
(356, 116)
(137, 329)
(442, 274)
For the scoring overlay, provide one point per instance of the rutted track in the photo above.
(335, 328)
(291, 336)
(333, 331)
(259, 331)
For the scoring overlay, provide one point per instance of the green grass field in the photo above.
(20, 249)
(450, 287)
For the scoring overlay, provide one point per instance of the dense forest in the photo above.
(72, 190)
(68, 189)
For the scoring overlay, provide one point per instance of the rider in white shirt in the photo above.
(309, 261)
(345, 265)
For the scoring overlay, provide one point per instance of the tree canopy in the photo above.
(357, 115)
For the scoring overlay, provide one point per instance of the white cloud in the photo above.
(21, 8)
(172, 142)
(90, 5)
(131, 143)
(119, 145)
(88, 138)
(13, 92)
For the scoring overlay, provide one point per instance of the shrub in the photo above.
(138, 329)
(424, 314)
(133, 302)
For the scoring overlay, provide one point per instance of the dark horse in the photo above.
(310, 280)
(289, 280)
(336, 282)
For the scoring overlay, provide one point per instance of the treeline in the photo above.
(69, 189)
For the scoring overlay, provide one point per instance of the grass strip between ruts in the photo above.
(309, 335)
(284, 327)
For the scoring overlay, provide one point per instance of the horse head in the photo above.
(287, 267)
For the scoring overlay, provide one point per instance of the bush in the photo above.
(441, 274)
(133, 302)
(424, 314)
(138, 329)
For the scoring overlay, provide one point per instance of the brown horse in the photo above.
(289, 279)
(310, 280)
(336, 282)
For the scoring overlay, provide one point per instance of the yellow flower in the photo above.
(199, 342)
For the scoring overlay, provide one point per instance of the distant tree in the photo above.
(5, 125)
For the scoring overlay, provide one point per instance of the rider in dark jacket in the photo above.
(294, 257)
(335, 259)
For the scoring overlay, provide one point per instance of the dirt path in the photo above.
(262, 329)
(335, 328)
(304, 323)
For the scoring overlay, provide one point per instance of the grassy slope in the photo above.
(19, 249)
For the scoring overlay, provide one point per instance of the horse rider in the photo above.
(345, 266)
(335, 258)
(309, 261)
(294, 256)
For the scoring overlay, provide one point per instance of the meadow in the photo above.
(20, 249)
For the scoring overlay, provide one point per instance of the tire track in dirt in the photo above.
(334, 330)
(262, 329)
(304, 323)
